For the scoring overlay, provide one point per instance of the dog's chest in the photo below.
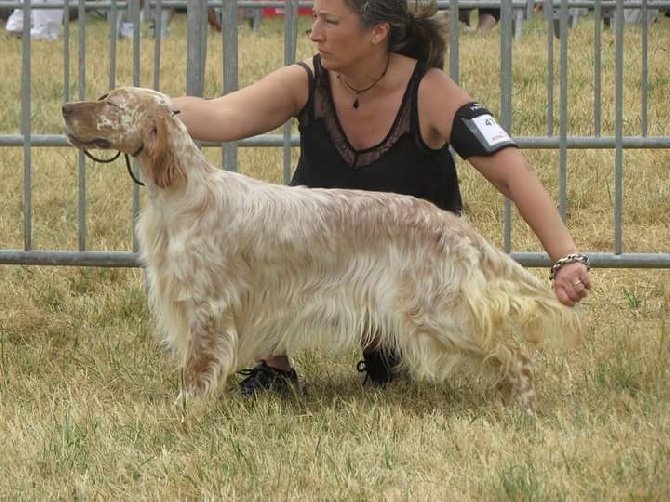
(160, 236)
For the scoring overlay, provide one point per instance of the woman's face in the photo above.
(338, 34)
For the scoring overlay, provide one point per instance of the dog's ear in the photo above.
(164, 166)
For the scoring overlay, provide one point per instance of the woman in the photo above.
(376, 112)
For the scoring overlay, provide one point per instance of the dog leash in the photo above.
(118, 154)
(112, 159)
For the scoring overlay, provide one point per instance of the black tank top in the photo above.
(402, 163)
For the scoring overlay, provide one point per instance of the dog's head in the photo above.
(133, 121)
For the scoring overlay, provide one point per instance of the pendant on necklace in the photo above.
(355, 103)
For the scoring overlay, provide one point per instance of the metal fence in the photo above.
(559, 16)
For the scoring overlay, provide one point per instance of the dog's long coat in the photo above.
(240, 268)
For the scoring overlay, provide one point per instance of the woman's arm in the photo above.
(508, 171)
(256, 109)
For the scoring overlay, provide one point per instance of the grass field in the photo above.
(86, 394)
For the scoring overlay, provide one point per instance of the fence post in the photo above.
(230, 70)
(196, 46)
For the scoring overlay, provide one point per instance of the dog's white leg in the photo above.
(516, 381)
(211, 350)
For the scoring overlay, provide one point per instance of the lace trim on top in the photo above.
(323, 108)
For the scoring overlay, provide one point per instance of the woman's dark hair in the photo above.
(415, 30)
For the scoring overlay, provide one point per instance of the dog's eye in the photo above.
(109, 103)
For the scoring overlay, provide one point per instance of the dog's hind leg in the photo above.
(515, 384)
(211, 350)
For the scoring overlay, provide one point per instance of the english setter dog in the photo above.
(239, 268)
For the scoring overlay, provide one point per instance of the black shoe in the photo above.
(262, 378)
(380, 367)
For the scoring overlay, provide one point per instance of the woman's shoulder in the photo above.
(437, 85)
(307, 64)
(430, 77)
(439, 98)
(436, 78)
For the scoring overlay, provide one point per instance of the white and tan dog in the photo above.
(239, 268)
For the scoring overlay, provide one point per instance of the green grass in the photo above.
(86, 394)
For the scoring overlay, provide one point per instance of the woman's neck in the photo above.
(362, 85)
(366, 72)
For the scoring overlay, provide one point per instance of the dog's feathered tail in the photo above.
(508, 304)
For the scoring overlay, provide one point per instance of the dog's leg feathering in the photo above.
(515, 385)
(211, 351)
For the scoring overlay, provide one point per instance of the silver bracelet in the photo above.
(571, 258)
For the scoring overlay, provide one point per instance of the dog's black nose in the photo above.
(67, 109)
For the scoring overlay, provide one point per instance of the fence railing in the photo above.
(559, 16)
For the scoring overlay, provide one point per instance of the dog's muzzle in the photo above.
(101, 143)
(96, 142)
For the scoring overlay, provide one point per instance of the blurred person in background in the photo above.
(487, 18)
(45, 23)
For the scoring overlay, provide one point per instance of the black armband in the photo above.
(475, 133)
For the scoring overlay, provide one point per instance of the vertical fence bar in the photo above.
(645, 82)
(134, 16)
(597, 70)
(549, 12)
(506, 99)
(112, 21)
(454, 27)
(563, 112)
(26, 129)
(81, 86)
(66, 51)
(618, 127)
(230, 70)
(290, 47)
(158, 37)
(195, 51)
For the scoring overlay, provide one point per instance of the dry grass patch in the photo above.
(86, 394)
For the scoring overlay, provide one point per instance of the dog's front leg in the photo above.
(211, 350)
